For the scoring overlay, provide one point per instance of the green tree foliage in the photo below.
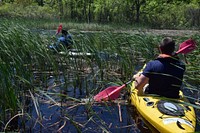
(155, 13)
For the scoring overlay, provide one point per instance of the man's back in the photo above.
(165, 76)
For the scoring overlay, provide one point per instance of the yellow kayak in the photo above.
(166, 115)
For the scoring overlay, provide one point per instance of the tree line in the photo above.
(154, 13)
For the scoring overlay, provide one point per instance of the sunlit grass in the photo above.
(52, 24)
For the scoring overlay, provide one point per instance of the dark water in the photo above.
(107, 120)
(70, 116)
(61, 114)
(95, 118)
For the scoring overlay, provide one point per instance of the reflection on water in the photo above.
(141, 123)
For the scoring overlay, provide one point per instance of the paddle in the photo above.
(187, 46)
(59, 29)
(110, 93)
(113, 92)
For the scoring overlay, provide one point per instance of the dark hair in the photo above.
(65, 32)
(167, 46)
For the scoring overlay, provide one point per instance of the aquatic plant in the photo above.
(31, 74)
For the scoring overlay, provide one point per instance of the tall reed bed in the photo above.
(27, 67)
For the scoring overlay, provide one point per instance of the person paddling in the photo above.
(65, 40)
(163, 75)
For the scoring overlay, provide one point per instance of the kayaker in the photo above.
(164, 74)
(64, 40)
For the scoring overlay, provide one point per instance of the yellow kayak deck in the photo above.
(164, 114)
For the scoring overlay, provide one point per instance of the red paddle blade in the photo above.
(111, 93)
(59, 29)
(187, 46)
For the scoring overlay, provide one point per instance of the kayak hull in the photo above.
(149, 107)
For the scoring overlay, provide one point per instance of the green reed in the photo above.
(116, 55)
(27, 63)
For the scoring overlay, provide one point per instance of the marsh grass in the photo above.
(49, 24)
(30, 73)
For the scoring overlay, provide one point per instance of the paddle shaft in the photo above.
(121, 87)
